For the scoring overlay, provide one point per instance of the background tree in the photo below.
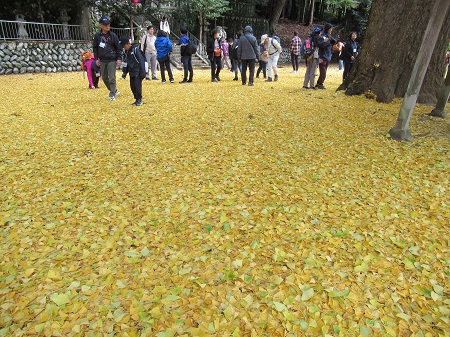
(390, 48)
(207, 10)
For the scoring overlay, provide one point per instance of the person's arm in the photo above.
(143, 40)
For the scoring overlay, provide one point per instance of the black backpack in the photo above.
(191, 47)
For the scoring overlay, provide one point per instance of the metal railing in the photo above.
(36, 31)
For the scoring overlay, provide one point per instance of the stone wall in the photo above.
(41, 57)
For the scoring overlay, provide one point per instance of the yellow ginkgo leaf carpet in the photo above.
(217, 209)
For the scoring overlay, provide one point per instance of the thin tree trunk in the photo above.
(311, 20)
(305, 4)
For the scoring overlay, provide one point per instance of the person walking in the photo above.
(163, 50)
(312, 59)
(296, 43)
(107, 55)
(186, 58)
(248, 53)
(148, 47)
(274, 51)
(350, 53)
(232, 51)
(135, 68)
(214, 50)
(324, 43)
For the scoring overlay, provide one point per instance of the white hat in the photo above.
(263, 38)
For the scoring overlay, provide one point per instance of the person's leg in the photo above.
(235, 67)
(244, 71)
(259, 68)
(162, 71)
(147, 57)
(133, 85)
(138, 85)
(275, 66)
(111, 69)
(190, 69)
(269, 68)
(219, 67)
(185, 60)
(322, 73)
(153, 66)
(264, 64)
(293, 61)
(296, 62)
(251, 65)
(104, 72)
(307, 74)
(169, 70)
(213, 69)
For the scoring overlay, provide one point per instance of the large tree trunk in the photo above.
(276, 13)
(390, 49)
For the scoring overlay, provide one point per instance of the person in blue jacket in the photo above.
(186, 58)
(163, 49)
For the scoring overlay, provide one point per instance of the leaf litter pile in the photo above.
(217, 209)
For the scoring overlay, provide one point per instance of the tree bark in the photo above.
(276, 13)
(389, 51)
(311, 20)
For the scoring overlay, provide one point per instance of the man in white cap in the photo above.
(107, 55)
(274, 50)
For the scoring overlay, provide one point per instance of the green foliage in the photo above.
(210, 9)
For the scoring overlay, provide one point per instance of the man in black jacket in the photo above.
(135, 67)
(214, 50)
(107, 55)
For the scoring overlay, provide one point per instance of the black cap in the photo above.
(103, 20)
(123, 41)
(327, 26)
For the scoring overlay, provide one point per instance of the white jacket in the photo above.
(273, 46)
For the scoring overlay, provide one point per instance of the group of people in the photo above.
(242, 54)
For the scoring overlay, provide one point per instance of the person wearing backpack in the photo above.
(135, 68)
(310, 53)
(148, 47)
(350, 53)
(274, 50)
(186, 57)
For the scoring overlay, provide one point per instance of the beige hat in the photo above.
(263, 38)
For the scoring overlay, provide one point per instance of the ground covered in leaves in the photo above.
(219, 210)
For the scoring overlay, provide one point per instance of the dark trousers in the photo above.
(136, 86)
(164, 63)
(235, 66)
(251, 66)
(323, 66)
(216, 66)
(262, 67)
(294, 60)
(348, 64)
(187, 67)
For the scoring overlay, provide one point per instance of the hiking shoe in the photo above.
(117, 93)
(218, 78)
(269, 79)
(183, 81)
(163, 81)
(112, 98)
(312, 88)
(147, 78)
(244, 83)
(276, 78)
(154, 78)
(189, 80)
(138, 102)
(214, 80)
(305, 87)
(320, 86)
(250, 84)
(171, 80)
(235, 79)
